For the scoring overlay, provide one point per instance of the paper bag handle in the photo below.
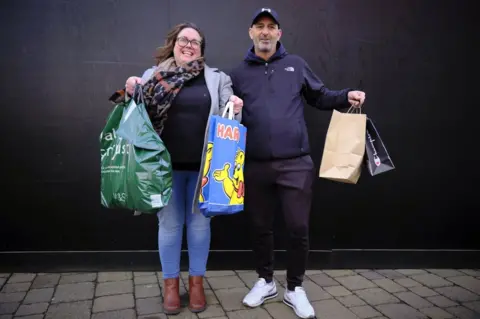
(229, 108)
(355, 110)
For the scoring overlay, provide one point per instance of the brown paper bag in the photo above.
(344, 147)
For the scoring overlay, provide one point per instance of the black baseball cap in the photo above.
(265, 11)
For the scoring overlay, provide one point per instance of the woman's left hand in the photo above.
(237, 104)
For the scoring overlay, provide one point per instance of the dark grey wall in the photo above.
(61, 59)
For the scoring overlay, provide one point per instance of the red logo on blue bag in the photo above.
(228, 132)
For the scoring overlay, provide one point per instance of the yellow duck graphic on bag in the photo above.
(206, 170)
(233, 186)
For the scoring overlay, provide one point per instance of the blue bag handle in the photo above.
(229, 107)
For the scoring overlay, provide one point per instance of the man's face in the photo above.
(265, 34)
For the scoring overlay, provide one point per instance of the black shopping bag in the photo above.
(376, 157)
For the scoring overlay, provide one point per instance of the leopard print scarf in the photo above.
(163, 86)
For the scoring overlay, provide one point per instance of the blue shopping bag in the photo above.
(223, 184)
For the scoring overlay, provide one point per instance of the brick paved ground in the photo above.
(342, 294)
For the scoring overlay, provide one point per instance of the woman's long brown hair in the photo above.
(166, 51)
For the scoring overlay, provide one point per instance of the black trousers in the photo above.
(288, 182)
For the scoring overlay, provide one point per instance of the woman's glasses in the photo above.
(183, 42)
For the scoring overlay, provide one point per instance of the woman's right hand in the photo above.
(131, 82)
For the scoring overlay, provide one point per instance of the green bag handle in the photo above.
(138, 90)
(133, 104)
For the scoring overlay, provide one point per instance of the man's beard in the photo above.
(264, 47)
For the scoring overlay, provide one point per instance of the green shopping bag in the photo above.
(136, 170)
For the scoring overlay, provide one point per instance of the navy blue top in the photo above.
(186, 123)
(272, 93)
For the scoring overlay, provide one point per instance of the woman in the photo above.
(203, 91)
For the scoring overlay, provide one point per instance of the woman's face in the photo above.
(187, 46)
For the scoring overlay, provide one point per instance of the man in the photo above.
(278, 166)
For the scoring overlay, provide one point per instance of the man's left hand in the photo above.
(237, 104)
(356, 98)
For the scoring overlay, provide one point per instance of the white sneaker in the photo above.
(298, 301)
(260, 292)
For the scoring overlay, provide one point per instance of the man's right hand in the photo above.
(131, 82)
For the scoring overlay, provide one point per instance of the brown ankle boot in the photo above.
(196, 292)
(171, 296)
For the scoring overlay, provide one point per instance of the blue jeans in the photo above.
(171, 221)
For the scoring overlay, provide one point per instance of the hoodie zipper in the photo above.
(268, 109)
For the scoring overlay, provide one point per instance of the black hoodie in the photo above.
(273, 107)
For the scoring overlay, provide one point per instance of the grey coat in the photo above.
(219, 85)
